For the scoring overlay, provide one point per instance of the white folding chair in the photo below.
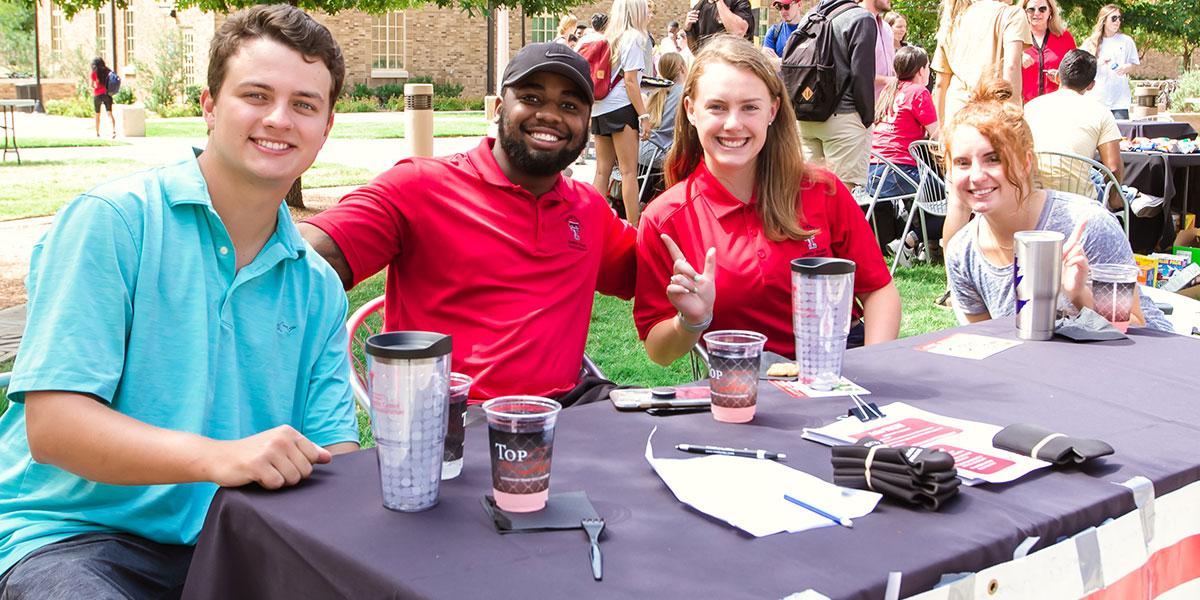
(930, 198)
(875, 194)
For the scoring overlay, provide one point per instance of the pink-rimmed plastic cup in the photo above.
(521, 442)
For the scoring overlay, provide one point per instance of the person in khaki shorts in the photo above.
(976, 40)
(842, 143)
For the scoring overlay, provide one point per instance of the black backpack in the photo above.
(809, 69)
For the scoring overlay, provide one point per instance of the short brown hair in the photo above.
(282, 23)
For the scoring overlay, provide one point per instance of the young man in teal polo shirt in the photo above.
(181, 336)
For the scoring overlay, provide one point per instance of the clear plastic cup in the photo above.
(456, 425)
(1113, 287)
(521, 442)
(822, 296)
(733, 361)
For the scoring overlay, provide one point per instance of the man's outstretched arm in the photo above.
(80, 434)
(325, 246)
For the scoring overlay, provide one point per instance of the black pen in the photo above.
(730, 451)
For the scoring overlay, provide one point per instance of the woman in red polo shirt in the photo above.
(742, 204)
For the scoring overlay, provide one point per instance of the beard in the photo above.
(531, 161)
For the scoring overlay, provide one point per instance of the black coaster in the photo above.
(562, 511)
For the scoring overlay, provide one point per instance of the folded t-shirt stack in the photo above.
(1044, 444)
(921, 476)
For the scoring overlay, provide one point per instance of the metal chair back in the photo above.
(930, 198)
(1076, 174)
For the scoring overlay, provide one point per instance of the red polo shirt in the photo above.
(512, 277)
(754, 275)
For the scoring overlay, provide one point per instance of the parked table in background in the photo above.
(1176, 130)
(8, 107)
(1166, 175)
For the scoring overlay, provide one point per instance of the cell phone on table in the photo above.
(661, 397)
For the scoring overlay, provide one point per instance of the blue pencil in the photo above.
(839, 520)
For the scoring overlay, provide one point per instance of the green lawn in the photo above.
(38, 142)
(39, 188)
(457, 124)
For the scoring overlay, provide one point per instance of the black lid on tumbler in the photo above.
(820, 265)
(409, 345)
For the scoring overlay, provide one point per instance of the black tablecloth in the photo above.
(1176, 130)
(331, 537)
(1170, 176)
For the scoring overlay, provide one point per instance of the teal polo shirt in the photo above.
(136, 299)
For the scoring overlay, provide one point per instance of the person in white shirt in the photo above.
(1116, 55)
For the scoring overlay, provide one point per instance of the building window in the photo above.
(189, 57)
(387, 42)
(101, 32)
(130, 37)
(544, 29)
(55, 27)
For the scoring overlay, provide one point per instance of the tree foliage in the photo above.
(16, 35)
(532, 7)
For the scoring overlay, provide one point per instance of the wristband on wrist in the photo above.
(700, 328)
(640, 117)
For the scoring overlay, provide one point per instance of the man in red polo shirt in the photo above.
(494, 246)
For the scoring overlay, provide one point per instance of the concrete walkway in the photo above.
(375, 155)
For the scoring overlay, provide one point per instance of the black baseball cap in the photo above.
(554, 58)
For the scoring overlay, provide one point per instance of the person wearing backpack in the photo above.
(619, 119)
(100, 95)
(778, 34)
(841, 141)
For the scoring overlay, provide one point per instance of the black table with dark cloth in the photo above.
(1176, 130)
(1163, 174)
(331, 537)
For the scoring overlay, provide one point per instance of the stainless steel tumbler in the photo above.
(1037, 278)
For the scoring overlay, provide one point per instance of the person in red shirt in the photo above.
(904, 114)
(100, 95)
(1051, 42)
(742, 204)
(494, 246)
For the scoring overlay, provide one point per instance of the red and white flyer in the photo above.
(968, 345)
(969, 442)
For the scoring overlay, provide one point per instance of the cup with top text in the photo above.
(521, 441)
(733, 361)
(456, 425)
(1113, 287)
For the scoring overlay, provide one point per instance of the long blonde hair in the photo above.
(1092, 43)
(566, 25)
(625, 15)
(950, 11)
(1055, 24)
(780, 170)
(990, 113)
(670, 66)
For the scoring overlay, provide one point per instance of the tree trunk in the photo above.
(294, 198)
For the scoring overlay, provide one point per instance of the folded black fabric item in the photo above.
(920, 460)
(909, 495)
(1047, 445)
(1087, 326)
(921, 476)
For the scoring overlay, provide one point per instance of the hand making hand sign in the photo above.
(693, 293)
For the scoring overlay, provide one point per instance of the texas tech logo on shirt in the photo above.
(574, 236)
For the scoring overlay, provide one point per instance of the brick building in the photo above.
(447, 44)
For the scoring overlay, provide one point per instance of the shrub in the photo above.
(395, 103)
(356, 105)
(191, 95)
(420, 79)
(168, 111)
(73, 107)
(447, 90)
(125, 96)
(457, 103)
(1189, 87)
(360, 91)
(388, 90)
